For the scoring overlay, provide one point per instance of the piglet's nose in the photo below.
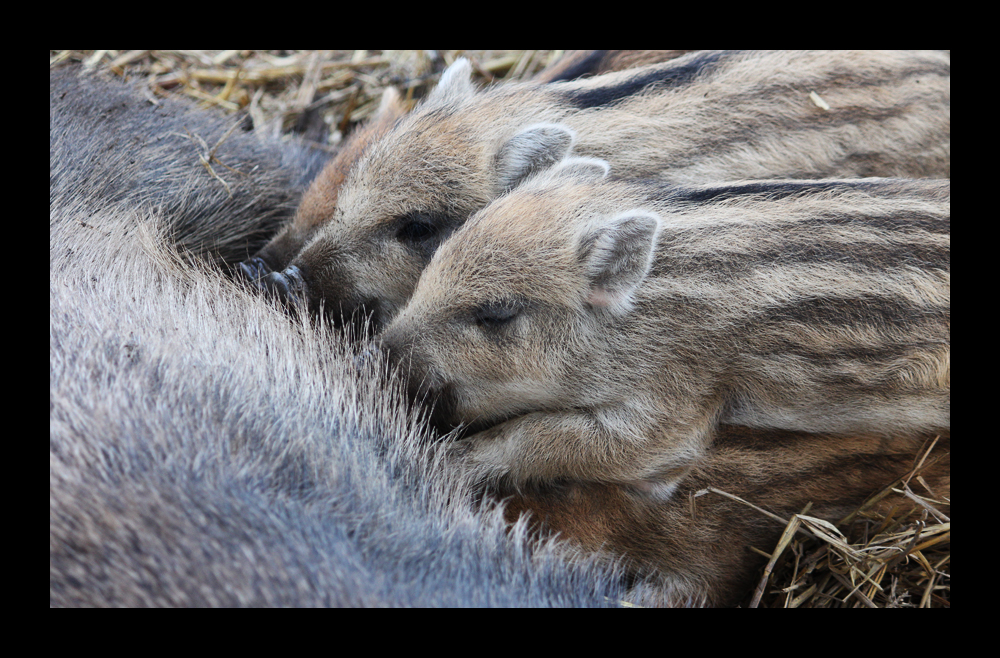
(287, 285)
(254, 269)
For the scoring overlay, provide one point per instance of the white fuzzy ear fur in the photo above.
(456, 81)
(617, 256)
(582, 168)
(390, 103)
(531, 150)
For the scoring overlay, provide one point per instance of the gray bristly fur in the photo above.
(112, 142)
(208, 450)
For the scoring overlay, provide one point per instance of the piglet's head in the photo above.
(509, 315)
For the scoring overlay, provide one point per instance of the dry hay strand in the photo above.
(318, 94)
(894, 551)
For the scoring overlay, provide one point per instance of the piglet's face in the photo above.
(503, 320)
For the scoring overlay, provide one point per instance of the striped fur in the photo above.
(576, 64)
(601, 330)
(320, 200)
(703, 117)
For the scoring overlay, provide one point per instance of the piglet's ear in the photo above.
(617, 255)
(586, 169)
(456, 82)
(534, 149)
(391, 107)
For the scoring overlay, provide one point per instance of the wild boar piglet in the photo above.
(595, 329)
(707, 116)
(319, 202)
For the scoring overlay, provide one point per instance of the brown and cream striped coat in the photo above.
(601, 330)
(707, 116)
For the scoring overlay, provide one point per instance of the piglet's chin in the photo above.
(460, 429)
